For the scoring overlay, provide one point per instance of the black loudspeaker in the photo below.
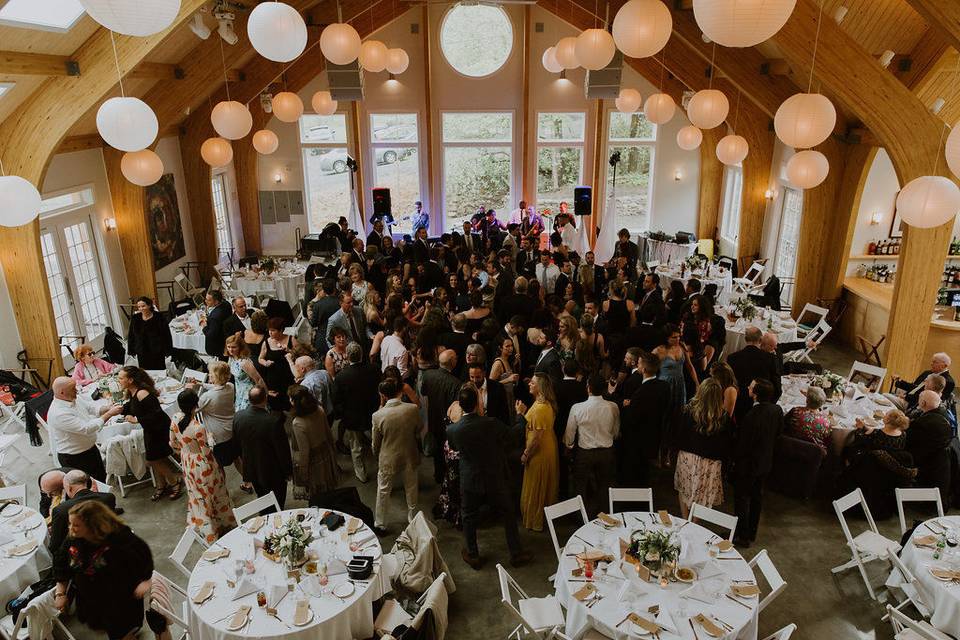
(582, 200)
(381, 202)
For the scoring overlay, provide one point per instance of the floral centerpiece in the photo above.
(656, 550)
(268, 265)
(831, 383)
(745, 308)
(109, 388)
(288, 543)
(695, 261)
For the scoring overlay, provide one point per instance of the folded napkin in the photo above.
(708, 569)
(206, 591)
(945, 574)
(211, 555)
(22, 549)
(246, 586)
(239, 618)
(745, 590)
(724, 545)
(354, 525)
(586, 592)
(925, 541)
(631, 591)
(665, 518)
(595, 555)
(276, 593)
(708, 625)
(665, 620)
(615, 570)
(255, 524)
(696, 592)
(649, 626)
(608, 521)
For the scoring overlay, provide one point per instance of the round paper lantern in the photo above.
(807, 169)
(265, 141)
(323, 103)
(659, 108)
(373, 56)
(127, 124)
(231, 119)
(141, 18)
(19, 201)
(732, 149)
(142, 168)
(397, 61)
(630, 99)
(805, 120)
(216, 152)
(708, 108)
(595, 49)
(277, 31)
(953, 150)
(641, 28)
(340, 43)
(566, 52)
(549, 60)
(287, 106)
(741, 23)
(689, 138)
(928, 201)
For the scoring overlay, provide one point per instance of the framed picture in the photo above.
(163, 216)
(896, 225)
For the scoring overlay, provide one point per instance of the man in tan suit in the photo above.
(395, 427)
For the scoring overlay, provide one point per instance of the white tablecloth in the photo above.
(168, 387)
(942, 597)
(608, 612)
(283, 282)
(17, 573)
(186, 332)
(351, 617)
(718, 276)
(667, 251)
(779, 322)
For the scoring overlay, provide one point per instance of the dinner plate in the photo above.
(687, 580)
(344, 590)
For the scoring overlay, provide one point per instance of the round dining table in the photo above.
(186, 332)
(675, 606)
(343, 608)
(779, 323)
(20, 567)
(718, 276)
(283, 282)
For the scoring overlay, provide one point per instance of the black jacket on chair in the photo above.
(757, 435)
(263, 445)
(213, 332)
(59, 516)
(749, 363)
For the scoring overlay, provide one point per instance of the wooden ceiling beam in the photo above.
(775, 67)
(16, 63)
(925, 60)
(156, 70)
(942, 15)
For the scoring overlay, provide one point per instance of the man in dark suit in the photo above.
(472, 241)
(928, 439)
(569, 391)
(753, 457)
(651, 296)
(482, 442)
(527, 258)
(439, 386)
(239, 320)
(493, 397)
(940, 365)
(375, 237)
(627, 248)
(351, 319)
(213, 329)
(76, 489)
(565, 278)
(548, 361)
(420, 249)
(642, 422)
(263, 444)
(357, 254)
(458, 340)
(355, 397)
(749, 363)
(633, 378)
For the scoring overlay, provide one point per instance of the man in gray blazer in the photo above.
(395, 427)
(350, 320)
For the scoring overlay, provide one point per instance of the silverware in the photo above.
(694, 629)
(582, 540)
(278, 618)
(722, 622)
(747, 607)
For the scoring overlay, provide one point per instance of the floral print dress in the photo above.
(209, 509)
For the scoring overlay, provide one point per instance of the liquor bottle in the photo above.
(872, 248)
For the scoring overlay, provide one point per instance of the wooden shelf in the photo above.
(893, 258)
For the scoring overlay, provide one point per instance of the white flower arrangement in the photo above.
(289, 542)
(109, 387)
(745, 308)
(831, 383)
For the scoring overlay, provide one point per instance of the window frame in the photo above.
(446, 59)
(610, 143)
(229, 249)
(561, 144)
(347, 144)
(398, 227)
(730, 173)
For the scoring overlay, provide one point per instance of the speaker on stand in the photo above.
(582, 201)
(382, 207)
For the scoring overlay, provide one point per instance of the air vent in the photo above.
(414, 27)
(346, 81)
(604, 84)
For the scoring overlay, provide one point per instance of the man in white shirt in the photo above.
(547, 274)
(74, 424)
(593, 425)
(393, 351)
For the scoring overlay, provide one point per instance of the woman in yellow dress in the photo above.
(541, 465)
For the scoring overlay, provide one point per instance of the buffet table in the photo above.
(23, 554)
(664, 251)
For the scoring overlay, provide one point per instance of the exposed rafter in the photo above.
(943, 15)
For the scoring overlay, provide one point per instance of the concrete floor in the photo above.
(803, 539)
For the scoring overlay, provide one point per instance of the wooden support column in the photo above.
(246, 166)
(711, 184)
(844, 219)
(755, 127)
(436, 207)
(528, 146)
(599, 185)
(358, 147)
(197, 175)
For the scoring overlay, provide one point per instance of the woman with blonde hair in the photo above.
(722, 373)
(358, 286)
(218, 401)
(541, 474)
(704, 441)
(89, 367)
(245, 374)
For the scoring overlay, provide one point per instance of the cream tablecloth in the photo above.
(187, 333)
(666, 251)
(718, 276)
(284, 282)
(17, 573)
(779, 322)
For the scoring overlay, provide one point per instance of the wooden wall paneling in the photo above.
(436, 208)
(925, 60)
(943, 15)
(599, 160)
(711, 184)
(754, 125)
(246, 168)
(197, 174)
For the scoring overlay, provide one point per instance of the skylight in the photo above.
(48, 15)
(5, 86)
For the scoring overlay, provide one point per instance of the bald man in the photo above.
(317, 381)
(927, 440)
(908, 392)
(76, 489)
(74, 424)
(440, 386)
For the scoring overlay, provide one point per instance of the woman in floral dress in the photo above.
(245, 374)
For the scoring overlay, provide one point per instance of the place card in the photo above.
(925, 541)
(649, 626)
(585, 592)
(745, 590)
(642, 572)
(354, 525)
(708, 625)
(665, 518)
(608, 521)
(277, 521)
(724, 545)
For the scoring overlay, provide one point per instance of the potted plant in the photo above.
(656, 550)
(289, 544)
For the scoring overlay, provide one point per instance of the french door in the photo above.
(788, 241)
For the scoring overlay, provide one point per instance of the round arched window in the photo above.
(475, 39)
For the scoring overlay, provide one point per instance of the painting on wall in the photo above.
(163, 215)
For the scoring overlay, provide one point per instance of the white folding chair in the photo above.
(186, 542)
(559, 510)
(817, 314)
(816, 336)
(630, 495)
(782, 634)
(171, 588)
(193, 292)
(17, 492)
(264, 296)
(777, 584)
(254, 507)
(11, 629)
(538, 617)
(868, 545)
(916, 495)
(870, 372)
(719, 518)
(750, 279)
(910, 587)
(905, 628)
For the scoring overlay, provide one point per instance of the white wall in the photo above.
(11, 344)
(879, 195)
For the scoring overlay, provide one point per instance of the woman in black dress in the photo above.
(143, 407)
(274, 366)
(149, 336)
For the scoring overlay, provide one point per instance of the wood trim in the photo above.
(943, 15)
(16, 63)
(81, 143)
(711, 184)
(926, 60)
(358, 149)
(528, 145)
(599, 158)
(436, 207)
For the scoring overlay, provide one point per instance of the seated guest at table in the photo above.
(89, 368)
(395, 427)
(209, 509)
(273, 362)
(263, 444)
(149, 337)
(909, 392)
(880, 443)
(218, 312)
(751, 363)
(239, 320)
(676, 300)
(75, 490)
(74, 424)
(355, 399)
(928, 441)
(704, 441)
(753, 458)
(105, 571)
(50, 484)
(770, 343)
(937, 384)
(810, 423)
(722, 373)
(591, 429)
(315, 470)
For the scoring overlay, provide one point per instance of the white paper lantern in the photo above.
(659, 108)
(142, 168)
(265, 141)
(216, 152)
(287, 106)
(277, 31)
(952, 150)
(231, 119)
(127, 124)
(732, 149)
(708, 108)
(549, 60)
(807, 169)
(741, 23)
(928, 201)
(340, 43)
(397, 61)
(630, 100)
(323, 103)
(19, 201)
(805, 120)
(595, 49)
(689, 138)
(566, 52)
(373, 56)
(641, 28)
(139, 18)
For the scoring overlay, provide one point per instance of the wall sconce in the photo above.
(110, 224)
(769, 195)
(677, 175)
(563, 74)
(277, 178)
(390, 76)
(886, 58)
(875, 217)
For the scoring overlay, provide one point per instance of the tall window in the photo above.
(396, 155)
(732, 200)
(477, 159)
(224, 239)
(788, 241)
(323, 140)
(559, 157)
(635, 138)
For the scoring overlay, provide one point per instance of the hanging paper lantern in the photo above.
(397, 61)
(741, 23)
(952, 150)
(566, 52)
(140, 18)
(19, 201)
(340, 43)
(373, 56)
(732, 149)
(595, 49)
(630, 100)
(659, 108)
(277, 31)
(127, 124)
(807, 169)
(549, 60)
(689, 138)
(231, 119)
(708, 108)
(641, 28)
(216, 152)
(142, 168)
(265, 141)
(805, 120)
(287, 106)
(323, 103)
(928, 201)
